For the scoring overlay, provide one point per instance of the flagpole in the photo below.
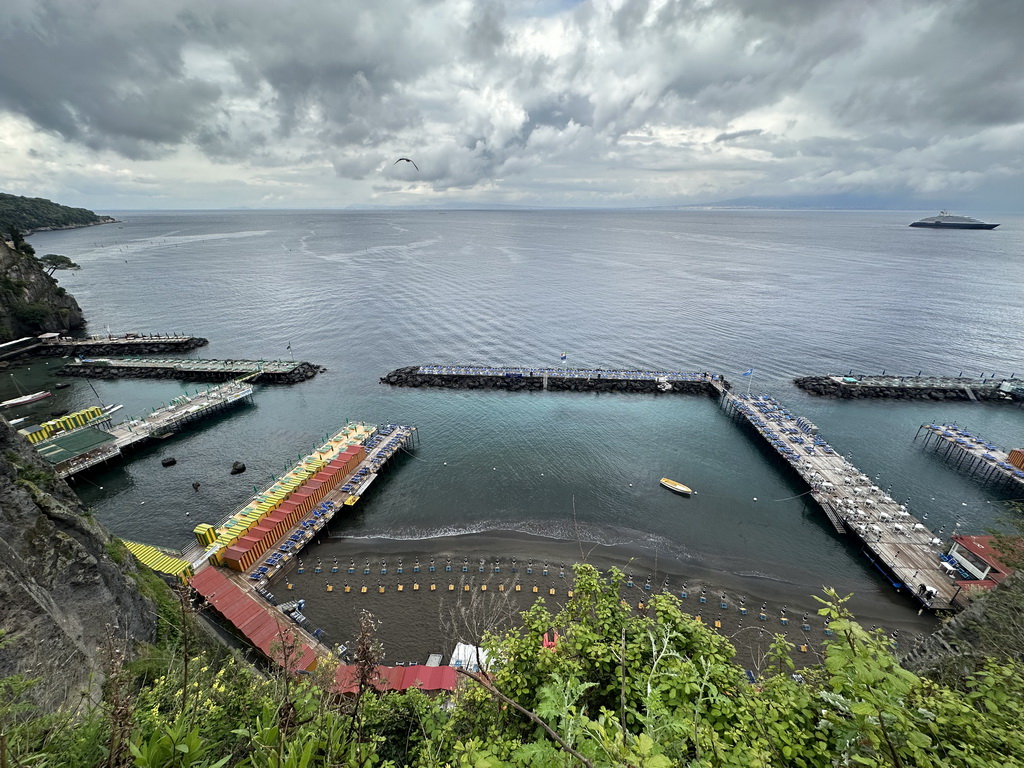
(750, 380)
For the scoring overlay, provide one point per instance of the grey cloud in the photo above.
(499, 94)
(737, 135)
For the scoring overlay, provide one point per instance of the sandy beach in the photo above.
(416, 620)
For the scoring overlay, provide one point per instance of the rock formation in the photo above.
(990, 627)
(65, 585)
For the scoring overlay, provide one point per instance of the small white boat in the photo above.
(672, 485)
(24, 399)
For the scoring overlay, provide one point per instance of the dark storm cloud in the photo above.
(506, 94)
(105, 87)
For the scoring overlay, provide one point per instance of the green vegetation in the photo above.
(18, 240)
(51, 262)
(30, 213)
(652, 689)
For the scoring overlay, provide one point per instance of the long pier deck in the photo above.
(972, 453)
(108, 444)
(191, 369)
(281, 554)
(896, 542)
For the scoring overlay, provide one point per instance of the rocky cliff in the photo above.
(31, 302)
(991, 627)
(62, 593)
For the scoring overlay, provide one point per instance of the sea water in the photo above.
(786, 293)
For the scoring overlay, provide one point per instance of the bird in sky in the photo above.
(408, 161)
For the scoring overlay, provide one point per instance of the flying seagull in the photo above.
(408, 161)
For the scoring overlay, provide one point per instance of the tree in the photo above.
(18, 241)
(51, 262)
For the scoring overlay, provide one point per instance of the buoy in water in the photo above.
(195, 486)
(168, 461)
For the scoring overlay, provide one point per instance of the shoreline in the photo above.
(105, 220)
(415, 623)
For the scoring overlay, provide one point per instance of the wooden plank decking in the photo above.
(896, 542)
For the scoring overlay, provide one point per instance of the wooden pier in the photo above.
(897, 543)
(79, 450)
(972, 453)
(518, 378)
(252, 585)
(190, 369)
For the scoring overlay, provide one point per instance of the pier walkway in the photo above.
(973, 453)
(915, 387)
(109, 444)
(191, 369)
(896, 542)
(563, 373)
(516, 378)
(263, 621)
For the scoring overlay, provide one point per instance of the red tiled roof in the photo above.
(398, 678)
(256, 620)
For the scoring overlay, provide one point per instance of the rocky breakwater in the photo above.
(109, 369)
(411, 377)
(68, 590)
(909, 389)
(149, 345)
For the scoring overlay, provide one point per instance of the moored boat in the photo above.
(678, 487)
(24, 399)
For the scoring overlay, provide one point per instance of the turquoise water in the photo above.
(787, 293)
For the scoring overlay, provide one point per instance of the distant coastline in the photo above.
(54, 228)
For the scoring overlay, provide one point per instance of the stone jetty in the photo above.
(190, 369)
(518, 379)
(913, 387)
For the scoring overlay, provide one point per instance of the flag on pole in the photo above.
(748, 372)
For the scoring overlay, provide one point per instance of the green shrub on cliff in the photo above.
(620, 688)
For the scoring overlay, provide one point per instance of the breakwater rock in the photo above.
(601, 381)
(180, 371)
(905, 388)
(144, 346)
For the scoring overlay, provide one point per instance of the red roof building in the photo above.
(978, 556)
(427, 679)
(260, 623)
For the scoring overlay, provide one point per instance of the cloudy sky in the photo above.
(118, 104)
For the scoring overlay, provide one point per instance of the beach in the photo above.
(416, 622)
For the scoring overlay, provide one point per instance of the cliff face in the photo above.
(31, 302)
(61, 594)
(991, 627)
